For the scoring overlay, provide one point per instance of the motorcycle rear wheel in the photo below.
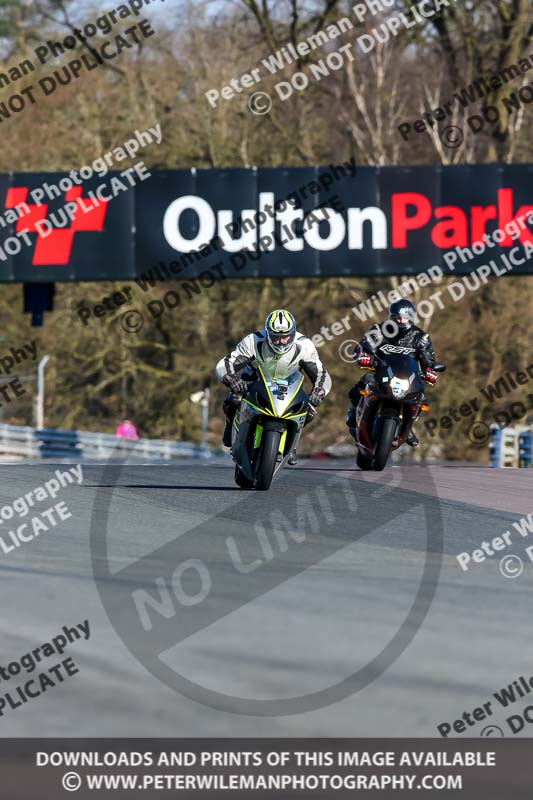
(383, 449)
(267, 460)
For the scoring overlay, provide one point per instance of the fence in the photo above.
(20, 440)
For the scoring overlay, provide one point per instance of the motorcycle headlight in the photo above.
(399, 388)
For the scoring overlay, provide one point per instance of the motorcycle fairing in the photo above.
(267, 401)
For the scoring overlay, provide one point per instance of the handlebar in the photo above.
(439, 366)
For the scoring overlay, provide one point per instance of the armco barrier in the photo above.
(20, 440)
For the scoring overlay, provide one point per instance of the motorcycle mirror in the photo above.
(439, 367)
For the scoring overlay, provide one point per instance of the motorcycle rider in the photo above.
(282, 350)
(399, 331)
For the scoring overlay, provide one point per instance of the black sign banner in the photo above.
(337, 220)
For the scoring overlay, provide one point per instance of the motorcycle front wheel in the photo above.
(267, 460)
(386, 436)
(363, 462)
(241, 480)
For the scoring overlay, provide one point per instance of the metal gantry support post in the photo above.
(40, 392)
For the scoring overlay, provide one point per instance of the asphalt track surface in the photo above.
(296, 615)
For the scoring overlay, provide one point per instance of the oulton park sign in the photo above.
(294, 222)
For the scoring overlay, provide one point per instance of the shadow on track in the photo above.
(162, 486)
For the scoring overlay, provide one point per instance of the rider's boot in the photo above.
(350, 422)
(293, 458)
(226, 438)
(411, 438)
(230, 406)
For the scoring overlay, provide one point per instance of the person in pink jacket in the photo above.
(127, 430)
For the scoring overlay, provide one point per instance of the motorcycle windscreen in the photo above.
(282, 391)
(402, 366)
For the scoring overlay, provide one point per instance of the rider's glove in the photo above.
(235, 384)
(316, 397)
(364, 360)
(430, 375)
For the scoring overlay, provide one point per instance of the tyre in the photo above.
(386, 437)
(267, 460)
(241, 480)
(363, 462)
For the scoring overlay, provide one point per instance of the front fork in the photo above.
(408, 415)
(413, 412)
(400, 424)
(258, 435)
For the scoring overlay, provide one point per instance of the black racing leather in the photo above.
(415, 339)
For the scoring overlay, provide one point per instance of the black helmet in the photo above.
(403, 313)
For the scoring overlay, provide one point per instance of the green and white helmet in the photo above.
(280, 327)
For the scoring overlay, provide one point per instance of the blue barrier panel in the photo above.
(525, 444)
(495, 445)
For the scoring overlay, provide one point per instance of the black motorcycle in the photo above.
(267, 427)
(390, 400)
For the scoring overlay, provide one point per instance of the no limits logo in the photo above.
(54, 244)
